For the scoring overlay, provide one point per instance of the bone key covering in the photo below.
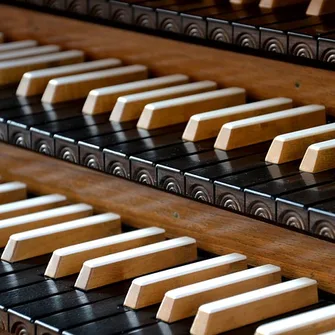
(12, 71)
(102, 100)
(11, 46)
(292, 146)
(45, 240)
(266, 127)
(207, 125)
(150, 289)
(35, 82)
(79, 85)
(184, 302)
(69, 260)
(319, 157)
(32, 205)
(257, 305)
(135, 262)
(28, 52)
(313, 322)
(130, 107)
(49, 217)
(12, 191)
(179, 110)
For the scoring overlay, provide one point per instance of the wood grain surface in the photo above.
(263, 78)
(215, 230)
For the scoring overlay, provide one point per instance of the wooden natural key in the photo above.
(150, 289)
(321, 7)
(13, 191)
(280, 3)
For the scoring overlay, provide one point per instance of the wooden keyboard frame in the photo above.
(216, 230)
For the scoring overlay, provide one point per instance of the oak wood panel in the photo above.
(215, 230)
(263, 78)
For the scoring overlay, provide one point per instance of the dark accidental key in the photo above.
(273, 37)
(229, 191)
(91, 150)
(117, 157)
(143, 166)
(260, 200)
(19, 128)
(7, 91)
(292, 209)
(327, 48)
(117, 324)
(66, 143)
(199, 182)
(220, 28)
(13, 102)
(67, 299)
(76, 317)
(246, 31)
(170, 174)
(42, 137)
(322, 219)
(169, 19)
(121, 10)
(303, 42)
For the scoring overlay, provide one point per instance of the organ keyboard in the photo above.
(160, 118)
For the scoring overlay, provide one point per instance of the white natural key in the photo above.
(11, 46)
(207, 125)
(44, 240)
(319, 157)
(246, 308)
(31, 205)
(150, 289)
(184, 302)
(29, 52)
(136, 262)
(13, 191)
(46, 218)
(130, 107)
(79, 85)
(69, 260)
(35, 82)
(170, 112)
(292, 146)
(102, 100)
(263, 128)
(11, 71)
(310, 323)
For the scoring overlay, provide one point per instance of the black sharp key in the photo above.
(27, 313)
(91, 150)
(292, 209)
(7, 91)
(274, 38)
(121, 11)
(99, 8)
(322, 219)
(66, 143)
(229, 191)
(260, 200)
(118, 324)
(143, 166)
(14, 102)
(303, 42)
(22, 278)
(170, 174)
(42, 137)
(246, 31)
(19, 128)
(58, 322)
(117, 157)
(8, 268)
(327, 48)
(199, 182)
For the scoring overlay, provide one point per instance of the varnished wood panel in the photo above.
(215, 230)
(263, 78)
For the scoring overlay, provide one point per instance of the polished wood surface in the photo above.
(262, 78)
(215, 230)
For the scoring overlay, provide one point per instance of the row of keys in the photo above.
(300, 28)
(173, 288)
(161, 132)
